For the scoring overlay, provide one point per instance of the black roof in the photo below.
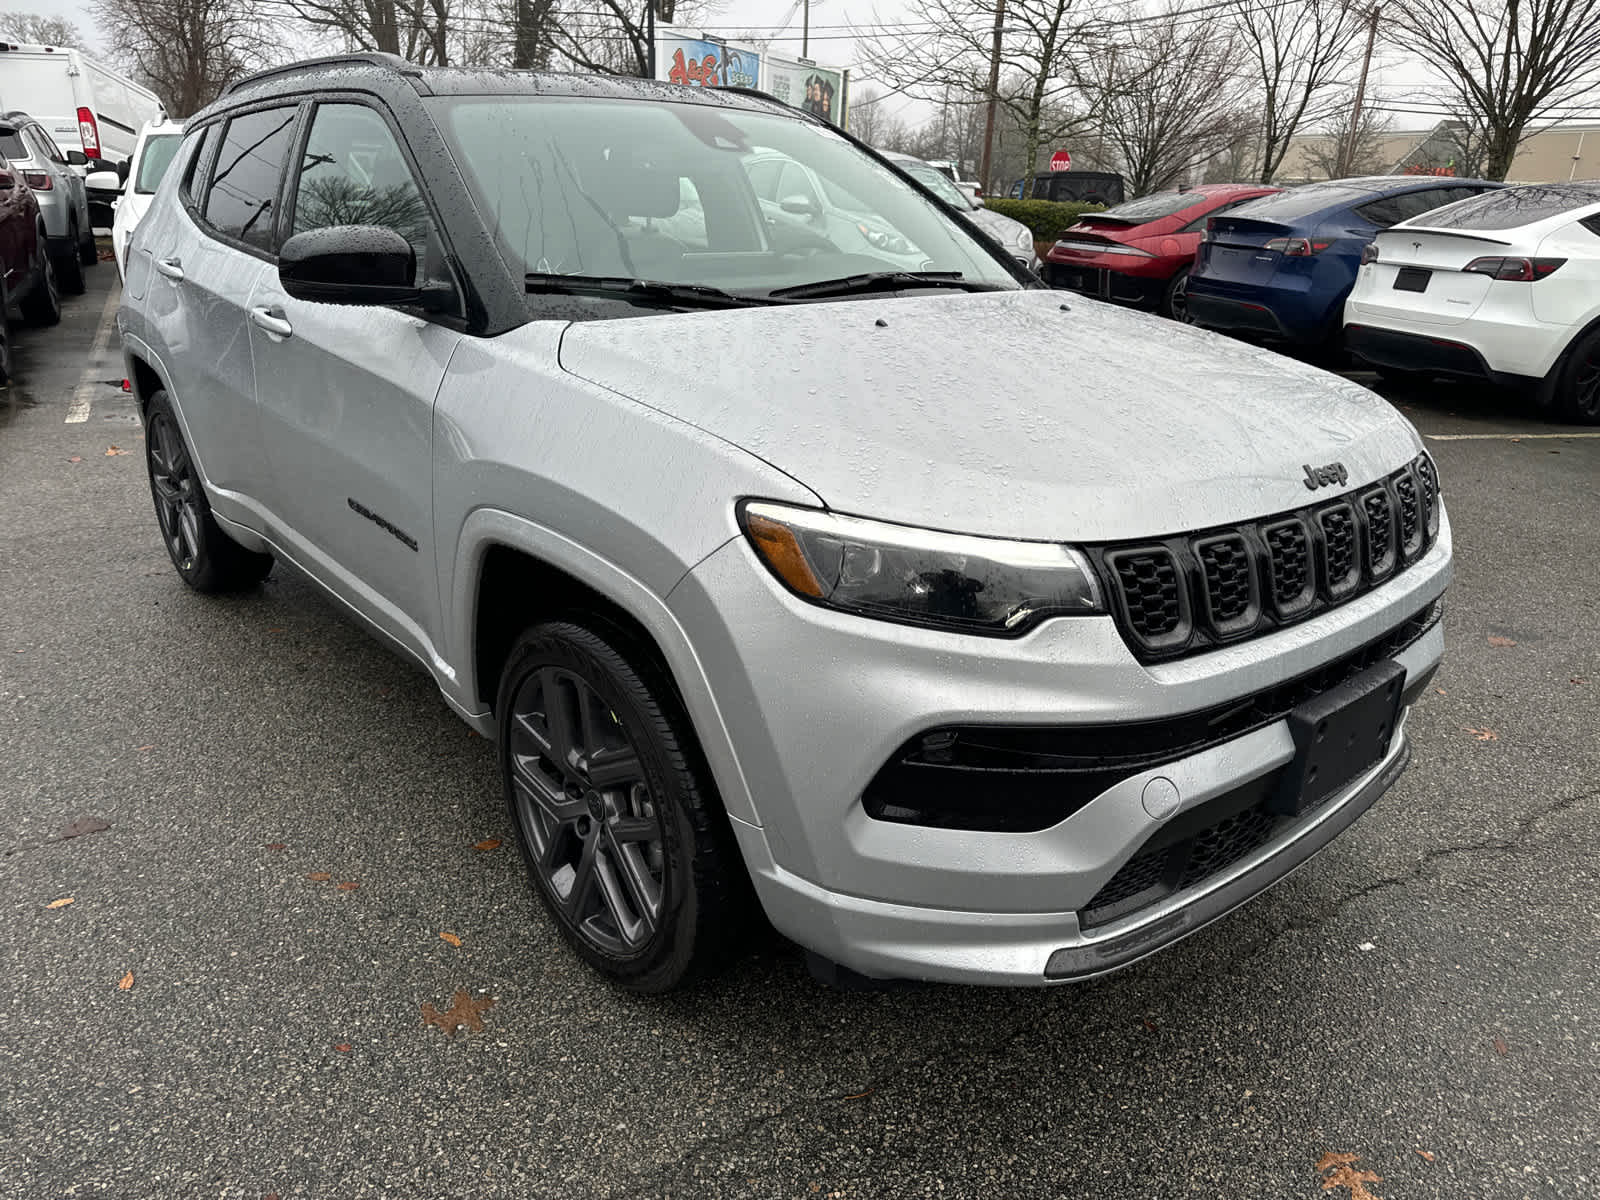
(376, 72)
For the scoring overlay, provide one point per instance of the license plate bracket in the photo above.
(1412, 279)
(1339, 736)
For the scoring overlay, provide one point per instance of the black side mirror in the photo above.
(77, 158)
(350, 264)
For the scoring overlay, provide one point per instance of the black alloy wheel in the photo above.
(207, 558)
(70, 268)
(622, 841)
(42, 305)
(1177, 298)
(1579, 395)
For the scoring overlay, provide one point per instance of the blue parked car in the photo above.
(1283, 265)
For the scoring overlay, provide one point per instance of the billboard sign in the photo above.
(697, 62)
(817, 90)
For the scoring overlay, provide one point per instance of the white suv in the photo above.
(1504, 286)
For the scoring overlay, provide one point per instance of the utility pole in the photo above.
(805, 28)
(1348, 150)
(994, 93)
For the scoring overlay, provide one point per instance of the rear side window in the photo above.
(1508, 208)
(242, 194)
(1150, 208)
(11, 144)
(1391, 210)
(194, 175)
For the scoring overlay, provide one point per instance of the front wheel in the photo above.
(1577, 391)
(207, 559)
(622, 840)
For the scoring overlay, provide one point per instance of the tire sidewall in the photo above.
(663, 959)
(1566, 393)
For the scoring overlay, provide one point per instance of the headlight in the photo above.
(898, 573)
(1024, 239)
(882, 239)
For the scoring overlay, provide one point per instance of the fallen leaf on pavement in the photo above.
(61, 903)
(276, 846)
(142, 749)
(319, 877)
(1579, 679)
(1149, 1025)
(1500, 1046)
(1441, 691)
(82, 826)
(859, 1095)
(464, 1011)
(1426, 1155)
(451, 938)
(349, 885)
(1482, 735)
(1338, 1171)
(342, 1047)
(76, 458)
(125, 982)
(488, 844)
(111, 450)
(1498, 642)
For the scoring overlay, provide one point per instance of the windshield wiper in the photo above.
(636, 291)
(880, 281)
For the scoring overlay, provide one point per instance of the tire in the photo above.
(5, 336)
(88, 250)
(207, 559)
(609, 791)
(1175, 300)
(69, 266)
(1577, 391)
(42, 306)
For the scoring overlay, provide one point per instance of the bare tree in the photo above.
(1344, 150)
(1507, 63)
(1239, 152)
(1297, 53)
(872, 122)
(36, 30)
(187, 51)
(1039, 37)
(417, 30)
(1167, 98)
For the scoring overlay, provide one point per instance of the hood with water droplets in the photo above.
(1002, 414)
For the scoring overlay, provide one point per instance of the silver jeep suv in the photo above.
(976, 635)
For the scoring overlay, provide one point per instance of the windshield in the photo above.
(1148, 208)
(691, 193)
(154, 161)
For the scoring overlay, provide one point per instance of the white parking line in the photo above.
(1505, 437)
(83, 394)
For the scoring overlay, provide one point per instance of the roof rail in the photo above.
(368, 58)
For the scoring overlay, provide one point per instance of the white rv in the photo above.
(91, 111)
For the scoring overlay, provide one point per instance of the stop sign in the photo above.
(1061, 161)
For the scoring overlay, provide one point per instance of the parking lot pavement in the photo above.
(264, 822)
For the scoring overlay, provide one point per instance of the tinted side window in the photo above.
(11, 144)
(243, 190)
(194, 177)
(1383, 213)
(43, 148)
(353, 173)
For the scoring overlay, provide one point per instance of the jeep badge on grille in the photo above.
(1321, 476)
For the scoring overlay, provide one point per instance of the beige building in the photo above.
(1555, 153)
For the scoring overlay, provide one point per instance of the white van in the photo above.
(89, 109)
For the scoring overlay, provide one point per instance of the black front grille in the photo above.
(1185, 593)
(1151, 593)
(1018, 779)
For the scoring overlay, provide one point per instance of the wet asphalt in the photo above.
(1423, 996)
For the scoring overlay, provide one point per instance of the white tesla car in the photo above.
(1504, 286)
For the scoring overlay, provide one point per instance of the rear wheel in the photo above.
(207, 559)
(42, 306)
(1175, 303)
(88, 252)
(1577, 392)
(69, 267)
(621, 837)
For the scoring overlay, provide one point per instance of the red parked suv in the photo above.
(27, 276)
(1139, 253)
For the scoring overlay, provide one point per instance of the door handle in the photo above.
(170, 267)
(271, 319)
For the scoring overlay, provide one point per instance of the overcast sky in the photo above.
(832, 44)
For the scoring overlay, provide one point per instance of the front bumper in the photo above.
(815, 702)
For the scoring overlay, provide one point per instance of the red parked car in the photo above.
(1139, 253)
(27, 276)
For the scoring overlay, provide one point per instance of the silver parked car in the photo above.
(63, 199)
(768, 562)
(1016, 237)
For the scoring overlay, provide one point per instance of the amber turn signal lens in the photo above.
(777, 544)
